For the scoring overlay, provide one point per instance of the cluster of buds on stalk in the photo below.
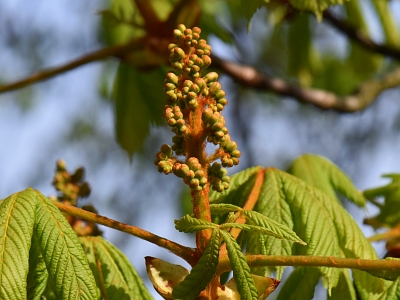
(193, 111)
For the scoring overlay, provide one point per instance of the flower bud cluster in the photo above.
(219, 178)
(164, 160)
(191, 173)
(70, 186)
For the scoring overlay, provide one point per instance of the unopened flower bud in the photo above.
(211, 77)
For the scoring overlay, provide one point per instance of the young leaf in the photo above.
(223, 208)
(38, 275)
(260, 230)
(239, 188)
(241, 270)
(114, 274)
(326, 176)
(202, 273)
(276, 229)
(300, 284)
(69, 273)
(139, 100)
(386, 274)
(344, 289)
(164, 275)
(17, 216)
(190, 224)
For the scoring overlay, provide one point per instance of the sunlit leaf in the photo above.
(326, 176)
(344, 289)
(386, 274)
(114, 274)
(190, 224)
(38, 275)
(300, 284)
(316, 6)
(223, 208)
(393, 292)
(202, 273)
(241, 270)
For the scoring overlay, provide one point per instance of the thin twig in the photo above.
(184, 252)
(88, 58)
(313, 261)
(360, 38)
(362, 98)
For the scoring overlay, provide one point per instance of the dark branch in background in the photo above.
(360, 38)
(88, 58)
(362, 98)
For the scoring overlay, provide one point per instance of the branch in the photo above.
(94, 56)
(362, 98)
(184, 252)
(360, 38)
(313, 261)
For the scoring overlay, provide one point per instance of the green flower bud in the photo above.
(225, 185)
(215, 167)
(221, 94)
(177, 139)
(189, 174)
(226, 179)
(199, 52)
(219, 107)
(177, 34)
(171, 95)
(235, 161)
(222, 172)
(195, 88)
(171, 122)
(200, 83)
(206, 115)
(169, 86)
(230, 146)
(188, 31)
(172, 78)
(178, 53)
(211, 77)
(172, 46)
(183, 129)
(199, 174)
(235, 153)
(193, 104)
(194, 183)
(181, 28)
(214, 88)
(219, 134)
(203, 181)
(206, 60)
(192, 95)
(187, 83)
(178, 115)
(222, 101)
(177, 65)
(196, 30)
(218, 126)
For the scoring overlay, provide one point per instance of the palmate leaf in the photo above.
(223, 208)
(114, 274)
(241, 270)
(319, 221)
(393, 292)
(326, 176)
(190, 224)
(202, 273)
(28, 219)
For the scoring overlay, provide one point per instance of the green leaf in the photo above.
(139, 100)
(114, 274)
(345, 287)
(202, 272)
(326, 176)
(393, 292)
(388, 22)
(190, 224)
(389, 213)
(250, 7)
(69, 273)
(37, 276)
(276, 229)
(17, 216)
(241, 271)
(386, 274)
(318, 220)
(223, 208)
(316, 6)
(301, 282)
(239, 188)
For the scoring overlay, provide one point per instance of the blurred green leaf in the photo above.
(316, 6)
(249, 8)
(388, 23)
(139, 101)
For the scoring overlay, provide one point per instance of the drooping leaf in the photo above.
(190, 224)
(316, 6)
(223, 208)
(38, 275)
(326, 176)
(249, 8)
(139, 100)
(114, 274)
(300, 284)
(202, 272)
(241, 270)
(386, 274)
(164, 275)
(345, 287)
(276, 229)
(239, 188)
(69, 273)
(17, 217)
